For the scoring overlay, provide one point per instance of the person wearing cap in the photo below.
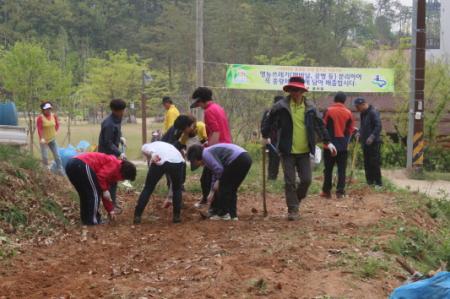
(163, 158)
(297, 122)
(217, 130)
(340, 125)
(370, 139)
(92, 175)
(111, 137)
(274, 158)
(47, 126)
(171, 112)
(229, 165)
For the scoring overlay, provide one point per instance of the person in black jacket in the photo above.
(274, 158)
(297, 122)
(369, 136)
(111, 137)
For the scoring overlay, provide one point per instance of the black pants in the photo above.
(113, 192)
(372, 163)
(84, 179)
(341, 160)
(232, 177)
(274, 164)
(205, 182)
(175, 173)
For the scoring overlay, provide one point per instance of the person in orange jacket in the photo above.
(92, 174)
(47, 126)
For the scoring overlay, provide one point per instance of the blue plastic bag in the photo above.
(83, 146)
(66, 154)
(436, 287)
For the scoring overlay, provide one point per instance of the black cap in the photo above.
(359, 101)
(201, 94)
(194, 153)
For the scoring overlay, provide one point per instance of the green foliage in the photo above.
(427, 249)
(393, 154)
(13, 215)
(119, 75)
(370, 267)
(51, 206)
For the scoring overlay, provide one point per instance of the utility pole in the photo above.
(199, 49)
(144, 110)
(417, 86)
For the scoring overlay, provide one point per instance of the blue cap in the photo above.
(359, 101)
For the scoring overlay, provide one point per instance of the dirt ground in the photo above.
(436, 188)
(253, 257)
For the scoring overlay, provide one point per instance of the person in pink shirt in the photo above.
(217, 129)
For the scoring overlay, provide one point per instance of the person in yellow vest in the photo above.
(47, 126)
(171, 113)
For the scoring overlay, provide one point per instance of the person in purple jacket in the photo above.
(229, 165)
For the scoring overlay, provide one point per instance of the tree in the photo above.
(118, 75)
(27, 72)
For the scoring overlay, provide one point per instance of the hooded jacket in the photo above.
(280, 117)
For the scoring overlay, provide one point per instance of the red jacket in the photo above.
(107, 170)
(216, 120)
(340, 124)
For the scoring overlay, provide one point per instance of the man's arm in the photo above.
(108, 133)
(267, 123)
(320, 128)
(377, 124)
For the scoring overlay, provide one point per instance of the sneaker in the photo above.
(293, 216)
(340, 195)
(325, 194)
(234, 218)
(225, 217)
(176, 219)
(137, 220)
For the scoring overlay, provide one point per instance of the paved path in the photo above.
(437, 189)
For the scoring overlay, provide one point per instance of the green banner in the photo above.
(272, 77)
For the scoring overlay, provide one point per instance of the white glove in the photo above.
(332, 149)
(122, 156)
(123, 141)
(42, 141)
(112, 216)
(107, 195)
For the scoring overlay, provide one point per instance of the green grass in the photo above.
(52, 207)
(370, 267)
(90, 133)
(13, 215)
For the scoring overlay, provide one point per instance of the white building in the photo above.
(442, 45)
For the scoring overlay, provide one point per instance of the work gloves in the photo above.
(370, 140)
(266, 141)
(122, 156)
(42, 141)
(123, 141)
(332, 149)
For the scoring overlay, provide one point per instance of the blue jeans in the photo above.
(54, 148)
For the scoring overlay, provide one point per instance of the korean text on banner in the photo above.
(328, 79)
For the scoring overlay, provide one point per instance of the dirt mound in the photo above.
(324, 254)
(34, 204)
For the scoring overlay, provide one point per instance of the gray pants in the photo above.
(293, 163)
(54, 148)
